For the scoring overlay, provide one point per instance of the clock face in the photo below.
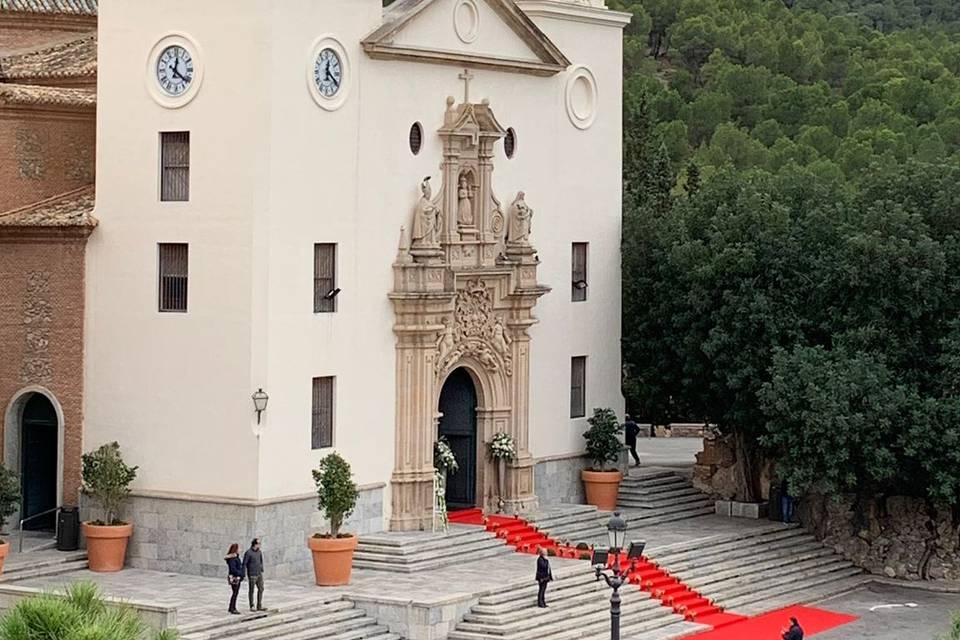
(328, 73)
(175, 70)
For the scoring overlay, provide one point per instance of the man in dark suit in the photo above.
(544, 575)
(630, 431)
(794, 632)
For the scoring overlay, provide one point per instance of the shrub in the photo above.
(582, 546)
(336, 491)
(551, 552)
(9, 495)
(603, 446)
(954, 633)
(81, 614)
(107, 479)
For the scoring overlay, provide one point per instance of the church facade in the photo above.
(387, 224)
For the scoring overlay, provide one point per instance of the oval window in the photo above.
(416, 138)
(510, 143)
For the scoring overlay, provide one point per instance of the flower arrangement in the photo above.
(443, 458)
(440, 496)
(502, 447)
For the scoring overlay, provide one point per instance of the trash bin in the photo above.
(68, 529)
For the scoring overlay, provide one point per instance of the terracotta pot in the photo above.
(106, 546)
(4, 550)
(332, 559)
(602, 488)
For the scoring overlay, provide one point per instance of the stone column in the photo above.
(520, 490)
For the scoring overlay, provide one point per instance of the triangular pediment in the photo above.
(493, 34)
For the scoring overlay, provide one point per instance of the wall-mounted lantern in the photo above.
(260, 399)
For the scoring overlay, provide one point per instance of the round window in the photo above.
(416, 138)
(510, 142)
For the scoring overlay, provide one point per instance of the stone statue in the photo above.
(426, 219)
(501, 341)
(465, 205)
(520, 217)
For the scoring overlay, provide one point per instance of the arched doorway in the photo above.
(458, 423)
(38, 460)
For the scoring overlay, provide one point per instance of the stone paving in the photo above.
(198, 599)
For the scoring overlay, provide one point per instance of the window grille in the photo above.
(173, 258)
(324, 278)
(579, 272)
(175, 166)
(322, 426)
(578, 386)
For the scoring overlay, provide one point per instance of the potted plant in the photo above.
(502, 450)
(107, 479)
(603, 447)
(336, 498)
(9, 502)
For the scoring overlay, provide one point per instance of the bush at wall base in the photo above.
(107, 479)
(336, 497)
(9, 503)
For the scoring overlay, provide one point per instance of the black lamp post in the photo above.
(616, 534)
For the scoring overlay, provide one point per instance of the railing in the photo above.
(34, 517)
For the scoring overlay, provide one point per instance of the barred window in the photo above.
(325, 278)
(322, 426)
(578, 386)
(579, 272)
(173, 259)
(175, 166)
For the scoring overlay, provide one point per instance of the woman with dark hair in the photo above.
(234, 575)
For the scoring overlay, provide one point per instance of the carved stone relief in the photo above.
(37, 317)
(475, 331)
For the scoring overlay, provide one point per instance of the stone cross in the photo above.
(466, 76)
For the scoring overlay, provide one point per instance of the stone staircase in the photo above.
(760, 568)
(333, 619)
(656, 496)
(578, 607)
(38, 563)
(419, 551)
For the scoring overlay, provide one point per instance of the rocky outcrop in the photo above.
(898, 537)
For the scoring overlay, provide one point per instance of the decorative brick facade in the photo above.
(41, 328)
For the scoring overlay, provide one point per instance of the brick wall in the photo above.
(41, 331)
(43, 154)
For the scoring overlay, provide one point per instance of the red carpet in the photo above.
(770, 626)
(526, 538)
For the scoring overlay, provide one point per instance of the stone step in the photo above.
(670, 630)
(678, 485)
(797, 591)
(666, 479)
(550, 519)
(562, 586)
(663, 500)
(369, 630)
(401, 556)
(633, 621)
(642, 494)
(755, 579)
(352, 622)
(51, 569)
(781, 583)
(560, 611)
(413, 543)
(699, 547)
(644, 473)
(784, 548)
(808, 594)
(249, 626)
(446, 559)
(644, 512)
(790, 560)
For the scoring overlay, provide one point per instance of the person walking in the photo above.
(253, 564)
(794, 632)
(630, 431)
(544, 576)
(786, 503)
(234, 575)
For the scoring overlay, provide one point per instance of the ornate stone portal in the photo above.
(464, 289)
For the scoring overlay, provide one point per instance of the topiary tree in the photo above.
(336, 491)
(603, 446)
(9, 495)
(107, 479)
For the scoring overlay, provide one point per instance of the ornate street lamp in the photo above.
(616, 534)
(260, 399)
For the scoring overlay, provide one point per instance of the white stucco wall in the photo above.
(271, 174)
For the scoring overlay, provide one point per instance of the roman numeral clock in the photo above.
(174, 70)
(328, 73)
